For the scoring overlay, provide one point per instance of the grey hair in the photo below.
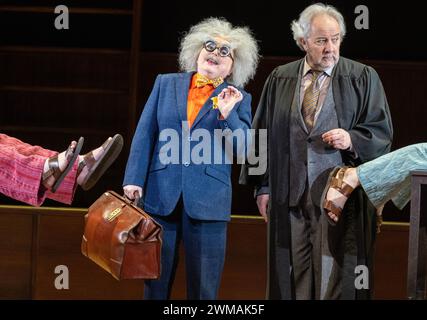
(302, 27)
(244, 45)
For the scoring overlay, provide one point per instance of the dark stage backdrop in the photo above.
(88, 80)
(395, 30)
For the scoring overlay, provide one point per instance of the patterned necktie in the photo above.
(202, 81)
(309, 103)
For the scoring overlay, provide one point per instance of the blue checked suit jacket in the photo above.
(205, 187)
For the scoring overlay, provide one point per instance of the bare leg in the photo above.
(63, 159)
(334, 195)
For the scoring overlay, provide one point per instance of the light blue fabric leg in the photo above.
(389, 177)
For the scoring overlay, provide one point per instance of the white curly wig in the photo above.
(301, 27)
(244, 45)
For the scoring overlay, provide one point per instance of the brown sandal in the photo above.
(336, 182)
(53, 164)
(96, 168)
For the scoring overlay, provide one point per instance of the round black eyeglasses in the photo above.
(224, 50)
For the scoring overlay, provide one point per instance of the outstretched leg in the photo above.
(88, 169)
(383, 179)
(389, 177)
(93, 164)
(341, 183)
(22, 167)
(56, 168)
(31, 173)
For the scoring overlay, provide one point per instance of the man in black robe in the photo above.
(320, 112)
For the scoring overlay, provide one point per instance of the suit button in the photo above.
(189, 138)
(309, 140)
(226, 124)
(186, 164)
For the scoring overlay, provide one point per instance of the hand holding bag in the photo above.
(122, 238)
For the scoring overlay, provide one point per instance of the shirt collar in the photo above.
(307, 68)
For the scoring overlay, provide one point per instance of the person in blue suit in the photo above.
(192, 125)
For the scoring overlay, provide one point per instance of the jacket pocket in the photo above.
(219, 175)
(156, 166)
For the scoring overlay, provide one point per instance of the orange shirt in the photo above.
(196, 99)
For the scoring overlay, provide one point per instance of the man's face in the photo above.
(212, 64)
(323, 43)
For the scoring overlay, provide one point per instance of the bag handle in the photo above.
(134, 201)
(135, 204)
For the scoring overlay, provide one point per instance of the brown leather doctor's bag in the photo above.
(122, 239)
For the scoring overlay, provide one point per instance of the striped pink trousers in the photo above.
(21, 169)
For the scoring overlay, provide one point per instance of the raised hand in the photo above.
(227, 99)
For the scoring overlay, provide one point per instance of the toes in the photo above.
(333, 216)
(70, 151)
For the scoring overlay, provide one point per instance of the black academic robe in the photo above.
(363, 111)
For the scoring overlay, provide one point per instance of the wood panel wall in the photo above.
(34, 241)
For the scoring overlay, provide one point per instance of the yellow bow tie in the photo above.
(202, 81)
